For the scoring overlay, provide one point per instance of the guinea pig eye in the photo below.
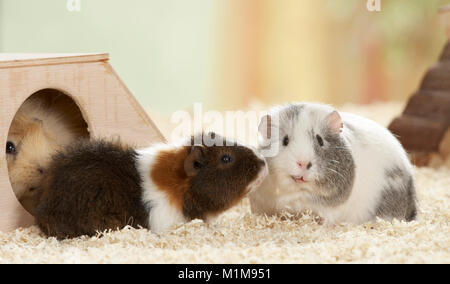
(319, 140)
(286, 140)
(226, 159)
(197, 165)
(10, 148)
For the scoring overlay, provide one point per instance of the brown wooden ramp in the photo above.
(423, 128)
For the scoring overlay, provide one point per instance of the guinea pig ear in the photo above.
(334, 122)
(38, 122)
(194, 160)
(265, 127)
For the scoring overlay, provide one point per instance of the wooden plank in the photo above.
(417, 133)
(12, 60)
(445, 55)
(437, 78)
(420, 159)
(431, 105)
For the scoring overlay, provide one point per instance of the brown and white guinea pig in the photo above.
(43, 124)
(95, 186)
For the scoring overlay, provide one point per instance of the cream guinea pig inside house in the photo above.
(46, 122)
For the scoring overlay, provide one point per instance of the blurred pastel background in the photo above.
(230, 54)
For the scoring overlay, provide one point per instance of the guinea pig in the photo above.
(41, 126)
(343, 167)
(95, 186)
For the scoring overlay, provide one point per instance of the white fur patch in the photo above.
(261, 175)
(163, 215)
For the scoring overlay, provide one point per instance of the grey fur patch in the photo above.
(291, 111)
(336, 163)
(398, 201)
(395, 173)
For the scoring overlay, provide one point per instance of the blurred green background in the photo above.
(161, 49)
(229, 54)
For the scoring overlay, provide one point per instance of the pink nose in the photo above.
(308, 164)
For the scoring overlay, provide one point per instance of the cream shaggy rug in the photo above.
(240, 237)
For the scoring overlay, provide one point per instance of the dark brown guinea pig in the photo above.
(94, 186)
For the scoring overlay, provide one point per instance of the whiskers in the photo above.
(335, 161)
(336, 172)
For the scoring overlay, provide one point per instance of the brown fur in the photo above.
(91, 187)
(95, 186)
(45, 122)
(170, 175)
(215, 187)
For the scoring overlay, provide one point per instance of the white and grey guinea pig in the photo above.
(343, 167)
(93, 186)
